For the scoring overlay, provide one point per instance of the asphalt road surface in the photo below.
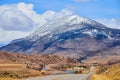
(67, 76)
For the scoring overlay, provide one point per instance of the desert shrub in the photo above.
(102, 69)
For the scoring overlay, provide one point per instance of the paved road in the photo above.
(67, 76)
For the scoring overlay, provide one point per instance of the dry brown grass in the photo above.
(12, 67)
(4, 78)
(20, 74)
(107, 72)
(99, 77)
(16, 71)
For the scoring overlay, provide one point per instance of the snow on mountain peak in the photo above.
(61, 25)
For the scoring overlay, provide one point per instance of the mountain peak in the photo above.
(64, 24)
(69, 35)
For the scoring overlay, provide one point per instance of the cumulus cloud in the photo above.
(112, 23)
(15, 20)
(22, 17)
(63, 13)
(19, 20)
(11, 18)
(7, 36)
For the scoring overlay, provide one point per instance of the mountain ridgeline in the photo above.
(72, 36)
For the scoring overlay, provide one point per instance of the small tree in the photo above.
(40, 67)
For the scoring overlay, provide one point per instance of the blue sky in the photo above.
(86, 8)
(19, 18)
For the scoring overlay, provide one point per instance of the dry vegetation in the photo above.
(107, 72)
(7, 78)
(45, 59)
(16, 71)
(103, 59)
(12, 67)
(17, 66)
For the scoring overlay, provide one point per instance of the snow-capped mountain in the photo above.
(68, 36)
(62, 25)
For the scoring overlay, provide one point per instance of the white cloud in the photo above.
(112, 23)
(11, 18)
(22, 16)
(62, 13)
(15, 20)
(7, 36)
(19, 20)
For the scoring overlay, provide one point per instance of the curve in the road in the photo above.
(67, 76)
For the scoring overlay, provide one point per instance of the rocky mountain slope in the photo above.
(34, 59)
(72, 36)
